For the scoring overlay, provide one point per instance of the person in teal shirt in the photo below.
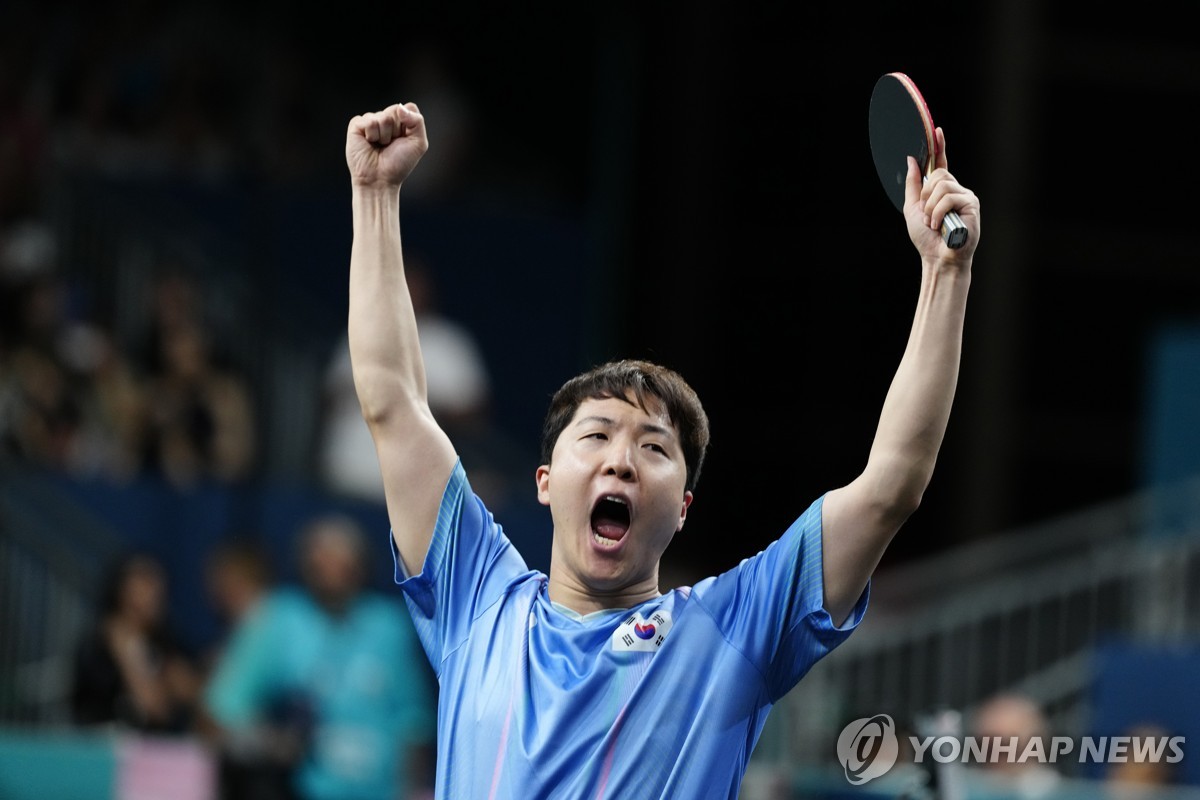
(329, 678)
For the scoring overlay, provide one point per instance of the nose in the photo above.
(618, 461)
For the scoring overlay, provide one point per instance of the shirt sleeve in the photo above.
(469, 566)
(771, 607)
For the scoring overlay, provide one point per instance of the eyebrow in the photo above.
(608, 422)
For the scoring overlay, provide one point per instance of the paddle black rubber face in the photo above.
(897, 131)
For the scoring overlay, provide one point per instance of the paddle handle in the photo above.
(954, 230)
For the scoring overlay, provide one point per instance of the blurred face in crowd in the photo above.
(333, 562)
(235, 581)
(1010, 716)
(142, 595)
(185, 352)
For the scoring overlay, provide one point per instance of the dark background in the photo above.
(709, 165)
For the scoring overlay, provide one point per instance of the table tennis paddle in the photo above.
(900, 126)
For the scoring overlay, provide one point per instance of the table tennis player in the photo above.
(588, 682)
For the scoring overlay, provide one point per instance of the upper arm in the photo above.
(415, 459)
(856, 529)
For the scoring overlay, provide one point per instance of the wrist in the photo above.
(374, 191)
(375, 202)
(953, 267)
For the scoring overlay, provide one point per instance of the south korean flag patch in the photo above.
(639, 634)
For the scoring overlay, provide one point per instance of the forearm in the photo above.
(384, 348)
(916, 410)
(859, 519)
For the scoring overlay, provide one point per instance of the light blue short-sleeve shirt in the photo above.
(663, 700)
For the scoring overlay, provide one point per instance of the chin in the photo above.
(605, 580)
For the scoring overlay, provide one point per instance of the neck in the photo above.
(576, 595)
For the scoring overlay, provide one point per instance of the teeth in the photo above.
(603, 540)
(620, 500)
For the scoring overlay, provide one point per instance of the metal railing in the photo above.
(51, 557)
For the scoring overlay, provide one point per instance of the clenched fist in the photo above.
(382, 147)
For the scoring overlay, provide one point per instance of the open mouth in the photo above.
(610, 520)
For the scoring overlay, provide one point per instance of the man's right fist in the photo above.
(382, 147)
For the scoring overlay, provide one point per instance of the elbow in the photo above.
(376, 413)
(903, 504)
(897, 486)
(389, 410)
(894, 501)
(384, 396)
(376, 421)
(384, 414)
(375, 406)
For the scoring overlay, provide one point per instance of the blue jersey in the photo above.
(663, 700)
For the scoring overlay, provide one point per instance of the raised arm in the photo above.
(860, 519)
(415, 455)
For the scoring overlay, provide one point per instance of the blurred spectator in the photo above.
(1140, 779)
(239, 577)
(110, 438)
(174, 302)
(72, 401)
(202, 423)
(34, 291)
(69, 398)
(458, 384)
(129, 671)
(329, 677)
(1013, 716)
(37, 413)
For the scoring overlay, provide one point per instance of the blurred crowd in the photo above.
(72, 398)
(317, 690)
(121, 89)
(197, 93)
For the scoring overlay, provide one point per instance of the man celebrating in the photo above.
(588, 682)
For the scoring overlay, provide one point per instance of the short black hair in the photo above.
(642, 379)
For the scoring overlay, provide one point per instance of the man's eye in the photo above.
(600, 436)
(658, 448)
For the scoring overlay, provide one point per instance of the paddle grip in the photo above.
(954, 230)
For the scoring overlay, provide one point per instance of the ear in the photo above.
(542, 478)
(687, 501)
